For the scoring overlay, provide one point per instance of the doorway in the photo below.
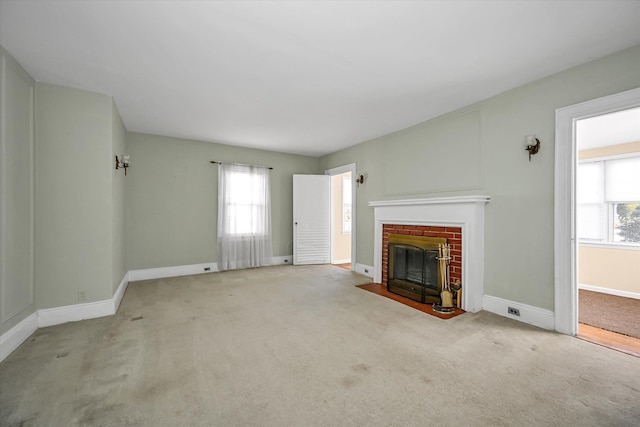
(314, 222)
(608, 229)
(341, 219)
(566, 236)
(343, 215)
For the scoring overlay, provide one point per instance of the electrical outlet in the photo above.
(207, 269)
(513, 311)
(82, 295)
(366, 270)
(286, 260)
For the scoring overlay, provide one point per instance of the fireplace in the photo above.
(440, 213)
(413, 267)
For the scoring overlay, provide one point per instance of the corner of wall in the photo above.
(11, 340)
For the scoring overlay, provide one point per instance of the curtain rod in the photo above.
(241, 164)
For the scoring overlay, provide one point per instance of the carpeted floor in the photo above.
(610, 312)
(302, 346)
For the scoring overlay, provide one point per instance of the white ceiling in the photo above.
(304, 77)
(616, 128)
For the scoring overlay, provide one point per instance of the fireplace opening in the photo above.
(413, 267)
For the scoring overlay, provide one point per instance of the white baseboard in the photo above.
(528, 314)
(278, 260)
(187, 270)
(119, 294)
(73, 313)
(609, 291)
(175, 271)
(15, 336)
(365, 270)
(90, 310)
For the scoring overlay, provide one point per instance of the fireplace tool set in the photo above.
(446, 296)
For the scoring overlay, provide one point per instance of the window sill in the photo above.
(244, 236)
(611, 245)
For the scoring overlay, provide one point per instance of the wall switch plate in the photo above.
(82, 295)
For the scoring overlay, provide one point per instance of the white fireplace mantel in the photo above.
(466, 212)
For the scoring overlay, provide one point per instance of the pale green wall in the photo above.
(119, 147)
(480, 150)
(17, 296)
(171, 198)
(73, 196)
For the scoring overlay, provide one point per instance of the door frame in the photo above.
(351, 167)
(565, 241)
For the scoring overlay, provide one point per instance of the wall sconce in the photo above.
(360, 180)
(124, 163)
(531, 147)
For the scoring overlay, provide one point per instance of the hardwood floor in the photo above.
(381, 290)
(345, 266)
(615, 341)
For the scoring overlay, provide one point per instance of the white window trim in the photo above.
(346, 181)
(609, 231)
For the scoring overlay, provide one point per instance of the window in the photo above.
(346, 204)
(244, 196)
(608, 197)
(244, 216)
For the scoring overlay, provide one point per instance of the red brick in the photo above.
(452, 234)
(441, 229)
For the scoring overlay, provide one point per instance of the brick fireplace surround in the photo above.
(459, 219)
(452, 234)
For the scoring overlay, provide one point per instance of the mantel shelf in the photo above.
(432, 201)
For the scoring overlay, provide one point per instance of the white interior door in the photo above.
(311, 219)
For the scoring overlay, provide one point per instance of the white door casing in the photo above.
(565, 242)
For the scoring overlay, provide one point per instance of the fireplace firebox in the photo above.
(413, 267)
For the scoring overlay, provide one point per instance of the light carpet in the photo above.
(302, 346)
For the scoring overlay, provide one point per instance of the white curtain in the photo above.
(244, 216)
